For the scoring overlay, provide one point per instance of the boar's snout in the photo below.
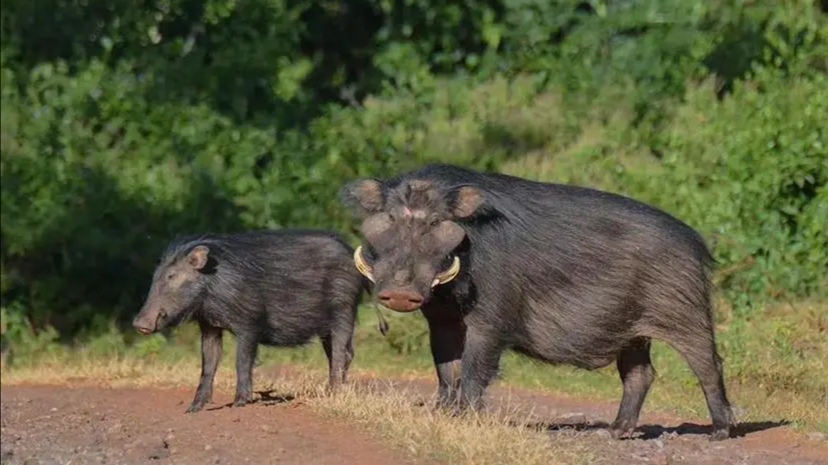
(147, 322)
(401, 300)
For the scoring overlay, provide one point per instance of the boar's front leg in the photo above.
(446, 337)
(210, 355)
(481, 360)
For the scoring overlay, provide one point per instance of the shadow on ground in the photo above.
(576, 422)
(265, 398)
(650, 431)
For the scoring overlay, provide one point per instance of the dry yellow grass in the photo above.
(393, 417)
(425, 433)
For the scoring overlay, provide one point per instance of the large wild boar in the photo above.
(278, 288)
(559, 273)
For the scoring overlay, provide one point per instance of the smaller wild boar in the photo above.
(278, 288)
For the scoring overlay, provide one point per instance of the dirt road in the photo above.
(46, 425)
(43, 425)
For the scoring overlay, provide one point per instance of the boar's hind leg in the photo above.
(327, 346)
(338, 344)
(349, 357)
(697, 345)
(637, 374)
(246, 349)
(210, 356)
(339, 350)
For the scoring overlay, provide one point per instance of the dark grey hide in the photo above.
(278, 288)
(563, 274)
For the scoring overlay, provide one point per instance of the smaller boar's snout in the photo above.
(141, 326)
(401, 301)
(145, 324)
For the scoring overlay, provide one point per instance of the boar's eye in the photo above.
(170, 276)
(434, 222)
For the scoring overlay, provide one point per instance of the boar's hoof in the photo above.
(195, 407)
(242, 401)
(449, 408)
(622, 430)
(720, 434)
(444, 405)
(458, 410)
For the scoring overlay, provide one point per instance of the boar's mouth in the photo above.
(441, 278)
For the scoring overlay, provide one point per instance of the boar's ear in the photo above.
(375, 225)
(197, 258)
(366, 196)
(466, 202)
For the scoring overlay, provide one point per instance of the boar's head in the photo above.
(177, 289)
(411, 234)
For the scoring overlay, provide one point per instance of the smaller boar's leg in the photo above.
(338, 344)
(246, 350)
(349, 357)
(340, 352)
(637, 374)
(481, 358)
(327, 346)
(210, 356)
(447, 350)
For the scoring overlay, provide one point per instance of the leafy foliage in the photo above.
(123, 126)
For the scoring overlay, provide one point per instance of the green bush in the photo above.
(751, 172)
(139, 124)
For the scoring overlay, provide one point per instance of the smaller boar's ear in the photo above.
(197, 258)
(467, 200)
(365, 195)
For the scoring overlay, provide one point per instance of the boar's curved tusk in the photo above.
(449, 274)
(361, 266)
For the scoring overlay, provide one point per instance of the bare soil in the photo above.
(88, 425)
(47, 425)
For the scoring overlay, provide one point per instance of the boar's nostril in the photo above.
(141, 327)
(399, 295)
(401, 301)
(144, 322)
